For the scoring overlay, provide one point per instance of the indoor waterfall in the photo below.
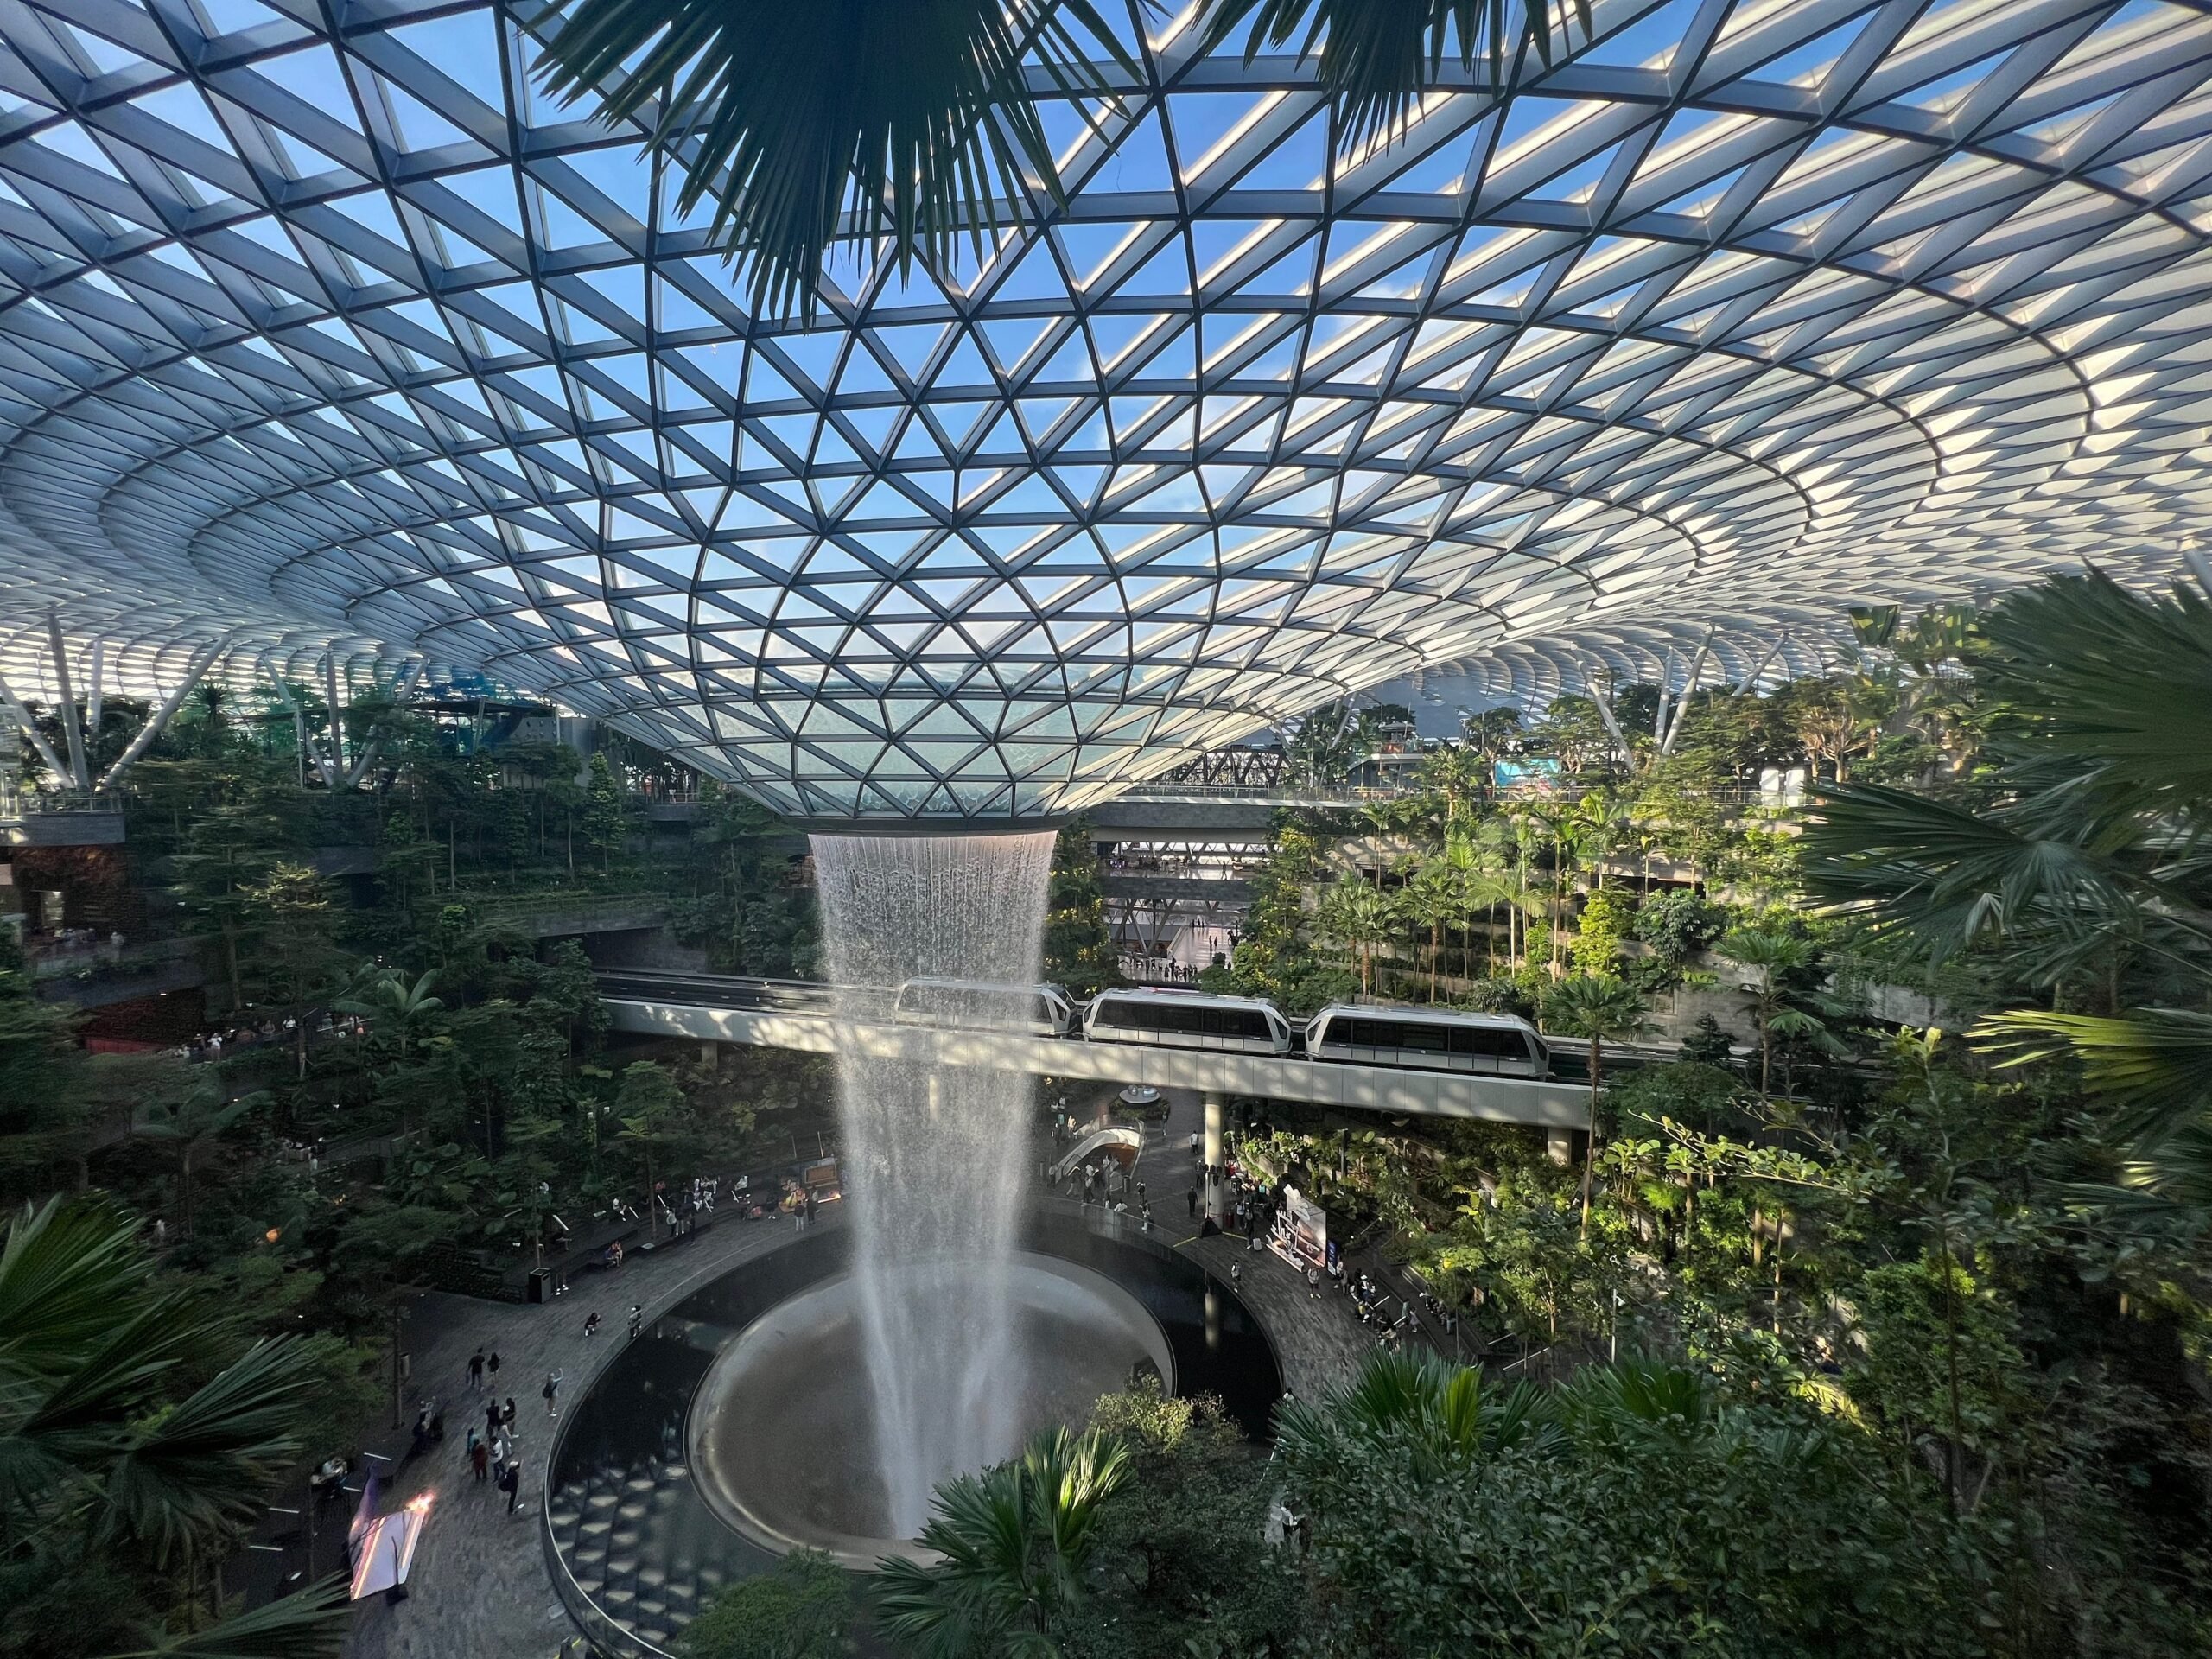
(933, 1159)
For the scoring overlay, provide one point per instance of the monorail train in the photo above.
(1495, 1045)
(1237, 1025)
(983, 1005)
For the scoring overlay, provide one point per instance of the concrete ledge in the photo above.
(1353, 1087)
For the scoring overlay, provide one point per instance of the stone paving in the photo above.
(479, 1587)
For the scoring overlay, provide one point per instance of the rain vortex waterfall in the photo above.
(934, 1160)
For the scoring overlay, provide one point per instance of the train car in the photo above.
(1429, 1039)
(1237, 1025)
(984, 1005)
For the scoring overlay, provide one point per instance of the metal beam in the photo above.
(159, 719)
(73, 730)
(46, 753)
(367, 756)
(1750, 680)
(300, 725)
(93, 693)
(330, 707)
(1683, 702)
(1605, 713)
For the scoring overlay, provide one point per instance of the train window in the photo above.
(1423, 1039)
(1489, 1042)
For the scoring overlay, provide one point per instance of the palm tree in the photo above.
(1447, 1415)
(393, 1007)
(2073, 862)
(909, 126)
(192, 1125)
(102, 1442)
(1767, 956)
(1602, 1009)
(1431, 899)
(1355, 914)
(1012, 1544)
(647, 1104)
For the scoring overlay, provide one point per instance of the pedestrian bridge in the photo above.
(782, 1013)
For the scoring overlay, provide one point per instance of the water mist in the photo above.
(934, 1159)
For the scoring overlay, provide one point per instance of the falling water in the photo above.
(934, 1159)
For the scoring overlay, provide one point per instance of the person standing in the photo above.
(476, 1371)
(507, 1414)
(480, 1459)
(492, 1371)
(510, 1484)
(1192, 1203)
(491, 1420)
(552, 1393)
(591, 1324)
(637, 1319)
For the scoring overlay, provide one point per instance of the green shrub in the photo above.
(802, 1609)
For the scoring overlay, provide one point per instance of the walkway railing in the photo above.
(38, 803)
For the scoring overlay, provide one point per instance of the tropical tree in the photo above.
(191, 1125)
(1431, 901)
(289, 912)
(1011, 1545)
(909, 125)
(648, 1104)
(397, 1009)
(2074, 863)
(116, 1464)
(1602, 1008)
(1356, 917)
(1767, 956)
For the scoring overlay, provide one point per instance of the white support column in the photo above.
(45, 750)
(158, 721)
(367, 756)
(95, 696)
(1216, 1107)
(1605, 713)
(307, 745)
(330, 706)
(1752, 680)
(71, 728)
(1683, 702)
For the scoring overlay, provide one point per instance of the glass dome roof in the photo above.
(321, 337)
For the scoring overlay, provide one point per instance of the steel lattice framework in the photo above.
(321, 331)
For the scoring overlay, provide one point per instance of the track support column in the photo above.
(1559, 1144)
(1217, 1112)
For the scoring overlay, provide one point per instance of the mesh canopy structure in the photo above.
(322, 330)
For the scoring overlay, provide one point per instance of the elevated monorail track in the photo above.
(818, 1019)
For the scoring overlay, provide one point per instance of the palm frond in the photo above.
(2113, 684)
(1950, 875)
(68, 1273)
(2156, 1061)
(1378, 58)
(309, 1624)
(873, 120)
(196, 1473)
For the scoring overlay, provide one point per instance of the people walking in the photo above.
(507, 1414)
(637, 1319)
(492, 1371)
(510, 1484)
(552, 1393)
(480, 1459)
(1193, 1204)
(476, 1371)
